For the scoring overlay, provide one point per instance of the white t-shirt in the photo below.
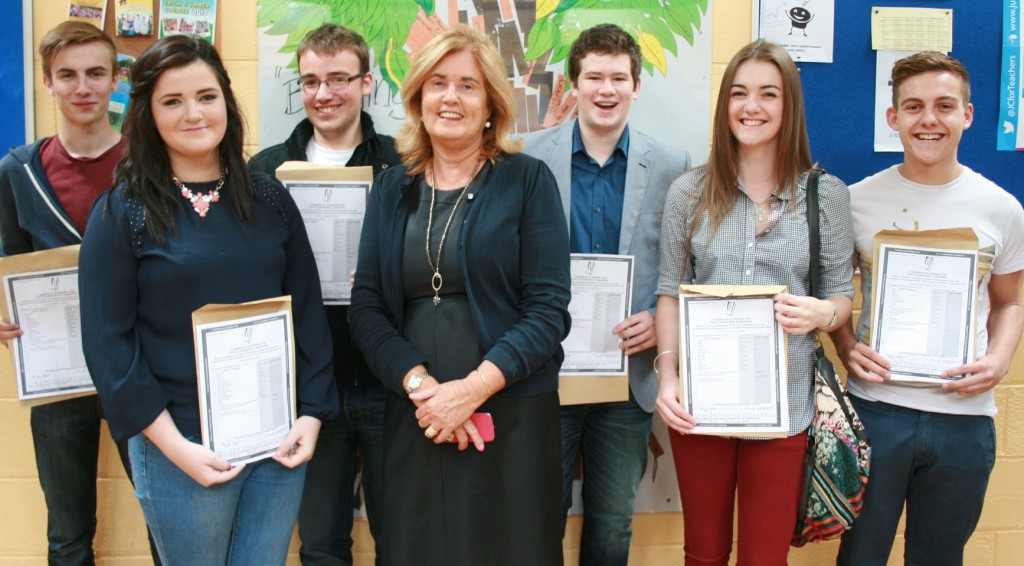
(889, 201)
(324, 156)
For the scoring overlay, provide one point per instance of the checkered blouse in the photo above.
(780, 256)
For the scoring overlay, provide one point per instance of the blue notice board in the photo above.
(12, 75)
(840, 96)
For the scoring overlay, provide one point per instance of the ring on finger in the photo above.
(450, 437)
(431, 432)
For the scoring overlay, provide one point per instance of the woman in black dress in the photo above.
(460, 305)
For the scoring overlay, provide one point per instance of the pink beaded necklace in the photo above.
(200, 202)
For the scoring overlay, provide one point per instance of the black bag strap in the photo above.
(824, 366)
(814, 230)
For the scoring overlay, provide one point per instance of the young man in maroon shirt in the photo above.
(46, 191)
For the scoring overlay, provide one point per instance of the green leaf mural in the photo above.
(653, 23)
(384, 25)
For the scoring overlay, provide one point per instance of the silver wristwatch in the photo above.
(415, 380)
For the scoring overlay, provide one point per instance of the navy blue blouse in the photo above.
(137, 298)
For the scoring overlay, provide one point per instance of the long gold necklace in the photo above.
(436, 281)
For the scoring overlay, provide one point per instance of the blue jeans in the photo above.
(325, 517)
(939, 465)
(613, 438)
(248, 520)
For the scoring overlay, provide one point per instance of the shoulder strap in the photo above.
(814, 230)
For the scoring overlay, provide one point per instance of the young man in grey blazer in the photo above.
(613, 182)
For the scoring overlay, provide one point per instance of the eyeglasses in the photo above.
(335, 83)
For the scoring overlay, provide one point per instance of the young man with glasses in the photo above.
(334, 76)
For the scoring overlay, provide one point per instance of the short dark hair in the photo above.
(604, 39)
(67, 34)
(329, 39)
(928, 62)
(146, 168)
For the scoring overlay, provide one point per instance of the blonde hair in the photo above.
(413, 142)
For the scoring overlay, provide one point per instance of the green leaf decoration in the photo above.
(657, 22)
(382, 23)
(541, 39)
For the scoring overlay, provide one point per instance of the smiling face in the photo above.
(931, 116)
(190, 115)
(799, 15)
(454, 102)
(335, 114)
(756, 105)
(81, 82)
(604, 92)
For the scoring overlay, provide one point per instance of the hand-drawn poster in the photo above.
(804, 27)
(534, 37)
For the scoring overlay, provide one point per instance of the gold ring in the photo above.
(450, 437)
(431, 432)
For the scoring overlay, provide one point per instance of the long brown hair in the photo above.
(719, 186)
(146, 169)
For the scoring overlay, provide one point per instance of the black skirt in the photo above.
(496, 507)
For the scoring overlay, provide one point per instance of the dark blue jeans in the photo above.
(325, 517)
(66, 437)
(613, 438)
(938, 465)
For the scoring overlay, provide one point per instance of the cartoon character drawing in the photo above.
(799, 18)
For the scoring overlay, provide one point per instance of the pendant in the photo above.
(436, 281)
(760, 214)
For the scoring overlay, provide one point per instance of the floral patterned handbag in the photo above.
(838, 448)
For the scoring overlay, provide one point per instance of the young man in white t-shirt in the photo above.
(933, 447)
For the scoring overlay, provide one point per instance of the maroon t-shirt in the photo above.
(79, 181)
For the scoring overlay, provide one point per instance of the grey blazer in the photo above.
(650, 169)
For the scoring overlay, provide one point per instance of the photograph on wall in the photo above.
(188, 17)
(134, 17)
(91, 11)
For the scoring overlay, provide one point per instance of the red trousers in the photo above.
(767, 475)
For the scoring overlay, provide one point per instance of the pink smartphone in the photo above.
(484, 425)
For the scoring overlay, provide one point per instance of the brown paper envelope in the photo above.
(222, 313)
(55, 258)
(725, 291)
(963, 238)
(305, 171)
(585, 389)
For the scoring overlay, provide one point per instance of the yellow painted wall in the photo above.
(657, 538)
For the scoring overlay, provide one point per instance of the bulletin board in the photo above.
(14, 126)
(840, 97)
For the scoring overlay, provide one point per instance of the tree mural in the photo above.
(653, 23)
(386, 26)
